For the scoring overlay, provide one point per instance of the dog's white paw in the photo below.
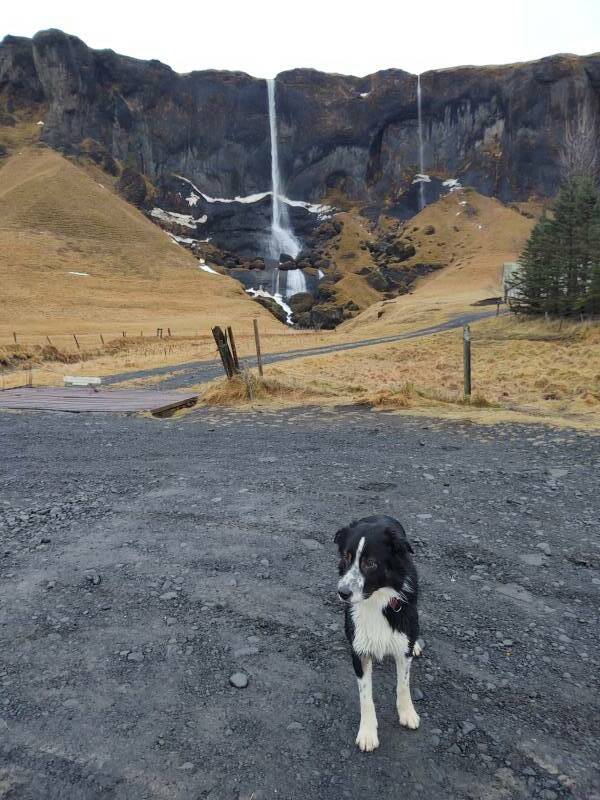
(367, 739)
(409, 718)
(417, 651)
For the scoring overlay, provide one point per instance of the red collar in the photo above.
(395, 604)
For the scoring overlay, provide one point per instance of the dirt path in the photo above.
(142, 562)
(191, 373)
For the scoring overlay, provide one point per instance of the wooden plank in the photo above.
(80, 380)
(83, 399)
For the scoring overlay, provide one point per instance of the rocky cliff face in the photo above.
(498, 129)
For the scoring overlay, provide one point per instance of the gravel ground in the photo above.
(169, 626)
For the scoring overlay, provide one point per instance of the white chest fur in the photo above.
(373, 635)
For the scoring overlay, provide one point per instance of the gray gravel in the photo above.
(144, 562)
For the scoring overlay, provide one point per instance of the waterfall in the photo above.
(282, 237)
(295, 282)
(421, 153)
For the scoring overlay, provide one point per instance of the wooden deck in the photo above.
(119, 401)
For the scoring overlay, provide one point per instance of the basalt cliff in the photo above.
(197, 146)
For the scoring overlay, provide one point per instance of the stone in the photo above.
(136, 657)
(243, 652)
(417, 694)
(312, 544)
(239, 680)
(169, 596)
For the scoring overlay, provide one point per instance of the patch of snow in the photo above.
(320, 273)
(182, 239)
(205, 268)
(458, 213)
(175, 219)
(276, 297)
(480, 227)
(462, 203)
(313, 208)
(41, 123)
(453, 184)
(101, 185)
(365, 94)
(83, 274)
(192, 199)
(421, 178)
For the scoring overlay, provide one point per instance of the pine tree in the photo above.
(560, 264)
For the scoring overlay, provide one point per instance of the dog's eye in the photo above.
(370, 563)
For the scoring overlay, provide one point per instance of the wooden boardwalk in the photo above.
(85, 399)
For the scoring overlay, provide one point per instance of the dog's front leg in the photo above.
(367, 738)
(406, 711)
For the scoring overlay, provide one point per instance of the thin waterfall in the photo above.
(282, 237)
(421, 151)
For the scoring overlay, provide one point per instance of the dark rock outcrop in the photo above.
(498, 129)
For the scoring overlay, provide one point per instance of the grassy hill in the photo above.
(58, 219)
(471, 235)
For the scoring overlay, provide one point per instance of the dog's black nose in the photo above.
(345, 594)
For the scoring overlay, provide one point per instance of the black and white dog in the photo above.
(378, 584)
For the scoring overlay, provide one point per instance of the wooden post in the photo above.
(223, 348)
(15, 336)
(76, 342)
(169, 331)
(102, 339)
(159, 332)
(467, 359)
(124, 334)
(258, 353)
(498, 308)
(48, 340)
(236, 361)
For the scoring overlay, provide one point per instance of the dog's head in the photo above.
(374, 554)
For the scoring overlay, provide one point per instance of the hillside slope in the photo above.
(58, 219)
(468, 236)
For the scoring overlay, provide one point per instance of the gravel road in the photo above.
(179, 376)
(144, 563)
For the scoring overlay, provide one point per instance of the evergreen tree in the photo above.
(560, 264)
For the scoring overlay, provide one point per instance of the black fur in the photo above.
(387, 545)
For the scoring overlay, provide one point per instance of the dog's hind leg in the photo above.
(367, 738)
(406, 711)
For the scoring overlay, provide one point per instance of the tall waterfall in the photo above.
(282, 238)
(421, 153)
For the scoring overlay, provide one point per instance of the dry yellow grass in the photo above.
(522, 370)
(56, 219)
(473, 235)
(251, 389)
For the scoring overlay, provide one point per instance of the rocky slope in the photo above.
(194, 149)
(498, 129)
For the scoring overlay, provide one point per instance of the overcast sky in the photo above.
(264, 38)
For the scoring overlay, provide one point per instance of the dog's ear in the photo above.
(341, 537)
(397, 536)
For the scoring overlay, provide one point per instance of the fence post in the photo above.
(258, 353)
(76, 342)
(102, 339)
(223, 348)
(236, 361)
(467, 359)
(15, 336)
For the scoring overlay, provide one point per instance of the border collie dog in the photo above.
(378, 584)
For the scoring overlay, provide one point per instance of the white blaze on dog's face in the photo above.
(352, 582)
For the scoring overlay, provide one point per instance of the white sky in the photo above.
(264, 38)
